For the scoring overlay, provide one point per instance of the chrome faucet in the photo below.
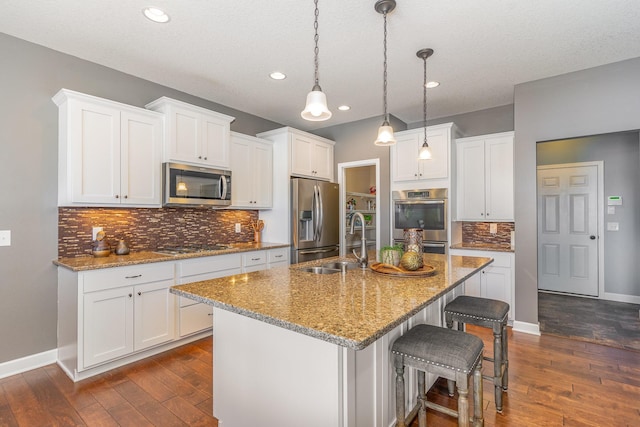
(363, 259)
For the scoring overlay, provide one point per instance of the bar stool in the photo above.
(488, 313)
(450, 354)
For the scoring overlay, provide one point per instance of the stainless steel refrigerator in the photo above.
(315, 223)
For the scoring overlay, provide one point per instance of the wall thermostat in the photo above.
(614, 201)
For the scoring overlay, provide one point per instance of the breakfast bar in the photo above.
(292, 347)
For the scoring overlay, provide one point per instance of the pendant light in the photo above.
(425, 151)
(385, 131)
(316, 109)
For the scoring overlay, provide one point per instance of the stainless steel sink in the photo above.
(320, 270)
(339, 265)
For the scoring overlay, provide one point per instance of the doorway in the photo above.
(569, 228)
(359, 181)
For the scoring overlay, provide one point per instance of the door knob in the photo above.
(592, 237)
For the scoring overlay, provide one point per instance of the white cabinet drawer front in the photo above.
(278, 255)
(254, 258)
(211, 264)
(195, 318)
(110, 278)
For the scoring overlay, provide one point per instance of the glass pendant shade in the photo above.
(385, 135)
(181, 186)
(316, 109)
(425, 152)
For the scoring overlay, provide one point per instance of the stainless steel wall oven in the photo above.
(425, 209)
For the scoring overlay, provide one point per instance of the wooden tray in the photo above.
(390, 270)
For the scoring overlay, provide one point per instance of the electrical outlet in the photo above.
(95, 231)
(238, 227)
(493, 228)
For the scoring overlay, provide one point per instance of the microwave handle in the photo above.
(223, 187)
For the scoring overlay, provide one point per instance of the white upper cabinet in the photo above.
(252, 169)
(404, 154)
(193, 134)
(109, 153)
(485, 178)
(311, 156)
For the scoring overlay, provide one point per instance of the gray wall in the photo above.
(596, 101)
(491, 120)
(354, 141)
(30, 76)
(620, 153)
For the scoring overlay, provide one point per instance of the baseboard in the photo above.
(631, 299)
(527, 328)
(27, 363)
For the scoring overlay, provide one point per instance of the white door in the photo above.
(567, 229)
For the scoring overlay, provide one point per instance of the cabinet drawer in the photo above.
(254, 258)
(110, 278)
(195, 318)
(210, 264)
(278, 255)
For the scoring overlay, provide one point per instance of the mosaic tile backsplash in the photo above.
(150, 229)
(478, 232)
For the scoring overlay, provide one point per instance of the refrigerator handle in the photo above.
(320, 215)
(316, 214)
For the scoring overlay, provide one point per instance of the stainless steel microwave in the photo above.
(186, 185)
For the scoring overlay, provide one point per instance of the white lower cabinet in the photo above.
(193, 316)
(496, 281)
(109, 314)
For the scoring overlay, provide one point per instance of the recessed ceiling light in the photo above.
(277, 75)
(431, 85)
(156, 15)
(344, 108)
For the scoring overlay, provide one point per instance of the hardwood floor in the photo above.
(611, 323)
(553, 382)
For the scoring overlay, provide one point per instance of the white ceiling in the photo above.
(224, 51)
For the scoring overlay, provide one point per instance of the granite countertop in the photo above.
(143, 257)
(482, 247)
(351, 310)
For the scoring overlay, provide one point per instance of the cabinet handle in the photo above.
(255, 259)
(133, 277)
(125, 196)
(487, 213)
(205, 158)
(278, 256)
(481, 214)
(130, 295)
(139, 293)
(415, 174)
(209, 314)
(200, 157)
(117, 197)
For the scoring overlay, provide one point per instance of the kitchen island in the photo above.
(298, 348)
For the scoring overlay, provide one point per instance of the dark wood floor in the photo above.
(610, 323)
(553, 382)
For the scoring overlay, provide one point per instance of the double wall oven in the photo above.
(425, 209)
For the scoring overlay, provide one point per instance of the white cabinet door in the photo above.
(183, 141)
(154, 310)
(496, 284)
(470, 167)
(311, 157)
(108, 325)
(405, 158)
(499, 179)
(485, 178)
(252, 168)
(438, 166)
(94, 156)
(140, 159)
(215, 142)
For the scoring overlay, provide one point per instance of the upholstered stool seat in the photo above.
(447, 353)
(488, 313)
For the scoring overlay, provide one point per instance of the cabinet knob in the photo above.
(487, 213)
(139, 293)
(130, 295)
(205, 158)
(117, 196)
(126, 197)
(481, 214)
(200, 157)
(415, 174)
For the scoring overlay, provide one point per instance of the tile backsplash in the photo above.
(150, 229)
(479, 232)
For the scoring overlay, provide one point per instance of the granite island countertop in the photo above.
(482, 247)
(352, 309)
(85, 263)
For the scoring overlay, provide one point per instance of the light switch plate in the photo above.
(95, 231)
(493, 228)
(5, 237)
(238, 227)
(613, 226)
